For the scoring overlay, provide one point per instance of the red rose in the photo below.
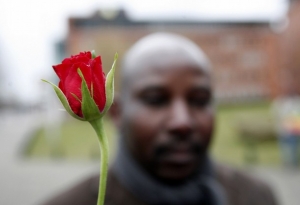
(70, 81)
(87, 94)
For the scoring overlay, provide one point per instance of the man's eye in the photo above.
(199, 100)
(154, 100)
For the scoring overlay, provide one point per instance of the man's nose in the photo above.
(180, 120)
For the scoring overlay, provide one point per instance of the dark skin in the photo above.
(166, 115)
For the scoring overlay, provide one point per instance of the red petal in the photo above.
(88, 54)
(67, 61)
(61, 70)
(83, 57)
(72, 85)
(98, 83)
(62, 87)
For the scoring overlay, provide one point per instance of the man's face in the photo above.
(167, 119)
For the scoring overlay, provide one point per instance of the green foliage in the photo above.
(76, 140)
(109, 85)
(89, 108)
(244, 134)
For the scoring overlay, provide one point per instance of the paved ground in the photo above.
(27, 182)
(285, 183)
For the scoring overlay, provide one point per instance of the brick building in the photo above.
(290, 44)
(245, 55)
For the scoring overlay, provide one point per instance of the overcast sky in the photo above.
(29, 28)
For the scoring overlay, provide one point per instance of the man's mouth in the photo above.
(177, 160)
(179, 156)
(179, 153)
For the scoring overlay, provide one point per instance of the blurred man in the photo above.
(165, 117)
(286, 113)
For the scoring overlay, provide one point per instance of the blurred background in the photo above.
(254, 47)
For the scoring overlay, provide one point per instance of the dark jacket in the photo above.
(240, 189)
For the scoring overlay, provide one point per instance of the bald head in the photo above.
(162, 50)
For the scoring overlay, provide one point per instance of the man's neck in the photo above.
(155, 191)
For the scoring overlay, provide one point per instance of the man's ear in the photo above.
(115, 110)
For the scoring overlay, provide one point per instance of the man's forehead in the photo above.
(170, 76)
(160, 50)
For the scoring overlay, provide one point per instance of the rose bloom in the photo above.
(70, 81)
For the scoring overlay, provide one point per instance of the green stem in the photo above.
(98, 127)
